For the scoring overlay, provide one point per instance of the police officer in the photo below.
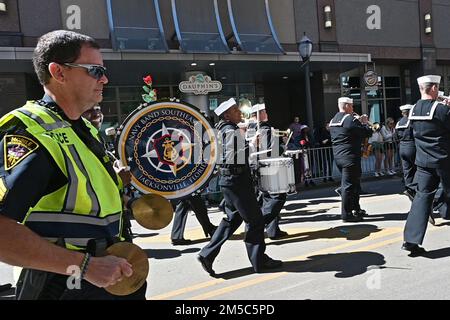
(182, 207)
(240, 201)
(407, 150)
(56, 180)
(347, 133)
(271, 203)
(431, 125)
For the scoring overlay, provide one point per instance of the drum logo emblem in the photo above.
(170, 149)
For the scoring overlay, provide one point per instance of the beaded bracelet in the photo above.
(84, 265)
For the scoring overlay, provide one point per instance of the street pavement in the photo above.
(324, 258)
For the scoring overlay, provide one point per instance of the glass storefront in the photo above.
(381, 101)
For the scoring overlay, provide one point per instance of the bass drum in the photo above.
(170, 148)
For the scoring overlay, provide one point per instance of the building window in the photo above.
(382, 102)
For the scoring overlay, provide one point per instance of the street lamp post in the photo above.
(305, 49)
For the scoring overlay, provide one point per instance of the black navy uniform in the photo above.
(431, 124)
(407, 149)
(182, 207)
(240, 203)
(35, 175)
(272, 204)
(347, 134)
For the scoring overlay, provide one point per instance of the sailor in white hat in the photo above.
(405, 107)
(430, 121)
(240, 200)
(224, 106)
(430, 79)
(347, 134)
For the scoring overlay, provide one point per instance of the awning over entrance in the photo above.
(198, 26)
(253, 35)
(136, 25)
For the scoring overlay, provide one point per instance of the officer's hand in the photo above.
(107, 271)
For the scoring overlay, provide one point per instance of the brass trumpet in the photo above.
(281, 133)
(374, 127)
(443, 98)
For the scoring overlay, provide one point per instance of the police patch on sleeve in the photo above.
(17, 148)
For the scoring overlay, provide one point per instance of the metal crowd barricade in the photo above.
(317, 164)
(320, 161)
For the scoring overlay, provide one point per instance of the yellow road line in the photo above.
(261, 279)
(186, 290)
(384, 233)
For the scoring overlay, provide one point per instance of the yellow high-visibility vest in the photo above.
(89, 206)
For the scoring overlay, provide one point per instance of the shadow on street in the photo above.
(345, 265)
(351, 232)
(168, 253)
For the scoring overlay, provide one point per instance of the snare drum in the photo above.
(276, 175)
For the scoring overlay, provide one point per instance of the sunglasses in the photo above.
(94, 70)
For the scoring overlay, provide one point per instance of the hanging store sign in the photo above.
(200, 84)
(371, 80)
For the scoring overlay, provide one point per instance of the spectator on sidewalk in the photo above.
(376, 141)
(388, 132)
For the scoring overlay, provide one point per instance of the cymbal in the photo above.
(152, 211)
(139, 261)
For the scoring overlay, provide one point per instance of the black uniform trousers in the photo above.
(350, 189)
(240, 205)
(408, 157)
(271, 208)
(196, 204)
(421, 208)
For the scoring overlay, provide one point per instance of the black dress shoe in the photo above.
(210, 233)
(414, 248)
(207, 265)
(353, 218)
(279, 235)
(181, 242)
(269, 264)
(361, 212)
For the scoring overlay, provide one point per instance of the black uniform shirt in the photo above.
(35, 172)
(404, 131)
(347, 134)
(432, 136)
(234, 155)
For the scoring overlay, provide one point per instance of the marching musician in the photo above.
(407, 150)
(347, 133)
(240, 201)
(271, 203)
(58, 189)
(430, 121)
